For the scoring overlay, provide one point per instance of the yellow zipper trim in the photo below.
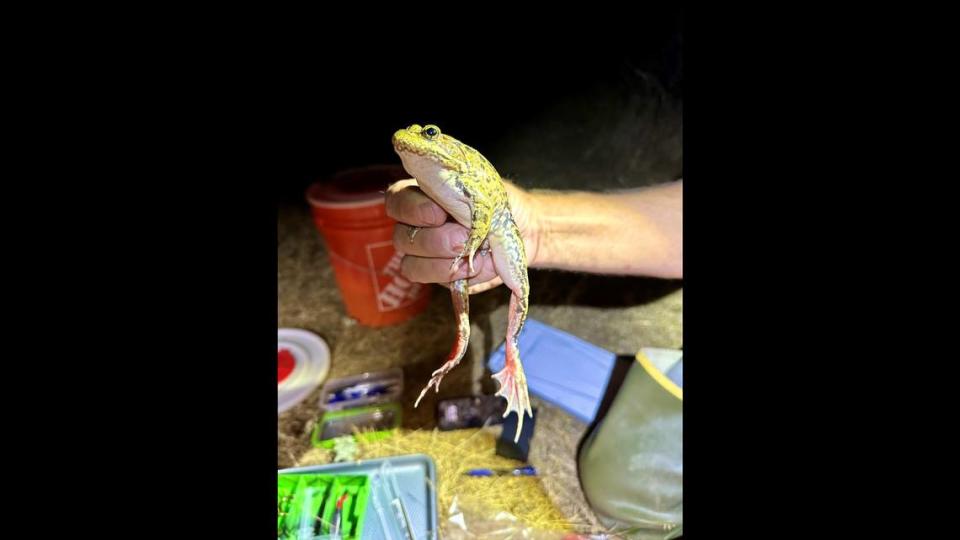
(665, 382)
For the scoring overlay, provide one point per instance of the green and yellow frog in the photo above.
(468, 187)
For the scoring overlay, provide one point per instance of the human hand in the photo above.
(429, 255)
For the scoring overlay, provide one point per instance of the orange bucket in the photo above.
(350, 213)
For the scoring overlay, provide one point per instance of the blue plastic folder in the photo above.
(561, 369)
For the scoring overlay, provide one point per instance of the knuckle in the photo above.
(408, 269)
(398, 237)
(390, 204)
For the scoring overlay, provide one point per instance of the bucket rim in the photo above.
(374, 199)
(345, 204)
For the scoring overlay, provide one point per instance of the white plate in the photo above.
(312, 358)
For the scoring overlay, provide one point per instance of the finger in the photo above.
(445, 241)
(407, 204)
(475, 285)
(484, 286)
(430, 270)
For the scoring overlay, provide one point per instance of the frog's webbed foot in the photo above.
(513, 382)
(437, 377)
(459, 261)
(513, 386)
(469, 253)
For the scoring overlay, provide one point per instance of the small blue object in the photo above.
(520, 471)
(561, 369)
(358, 391)
(525, 471)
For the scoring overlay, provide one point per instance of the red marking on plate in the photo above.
(285, 364)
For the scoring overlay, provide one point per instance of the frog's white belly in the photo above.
(439, 184)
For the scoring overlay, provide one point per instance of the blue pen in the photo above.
(521, 471)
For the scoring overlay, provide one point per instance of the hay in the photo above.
(520, 502)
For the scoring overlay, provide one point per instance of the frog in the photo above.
(465, 184)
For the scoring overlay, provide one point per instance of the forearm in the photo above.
(628, 233)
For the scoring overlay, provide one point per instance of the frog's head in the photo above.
(425, 149)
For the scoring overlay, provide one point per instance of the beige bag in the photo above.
(631, 464)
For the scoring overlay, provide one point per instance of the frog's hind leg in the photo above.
(461, 306)
(509, 257)
(513, 381)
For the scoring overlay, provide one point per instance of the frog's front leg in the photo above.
(461, 306)
(509, 258)
(481, 217)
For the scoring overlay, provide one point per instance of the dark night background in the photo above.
(589, 113)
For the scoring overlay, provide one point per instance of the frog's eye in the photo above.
(431, 132)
